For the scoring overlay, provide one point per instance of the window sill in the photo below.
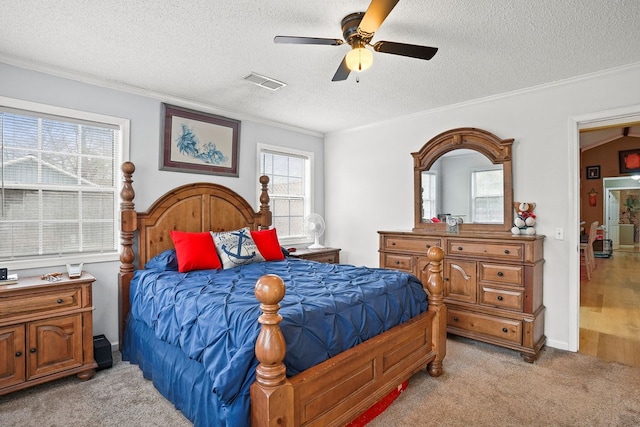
(25, 264)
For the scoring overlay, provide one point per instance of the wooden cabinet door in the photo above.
(460, 280)
(54, 345)
(12, 358)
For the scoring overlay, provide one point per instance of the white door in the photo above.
(613, 216)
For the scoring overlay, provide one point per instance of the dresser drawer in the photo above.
(511, 251)
(512, 299)
(497, 327)
(398, 262)
(497, 273)
(410, 245)
(39, 302)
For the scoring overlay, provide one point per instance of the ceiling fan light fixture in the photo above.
(359, 59)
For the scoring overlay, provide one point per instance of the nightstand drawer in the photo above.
(497, 273)
(512, 251)
(331, 258)
(328, 255)
(421, 245)
(498, 327)
(40, 302)
(512, 299)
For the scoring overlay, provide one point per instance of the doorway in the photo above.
(613, 290)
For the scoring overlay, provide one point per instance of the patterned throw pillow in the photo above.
(236, 248)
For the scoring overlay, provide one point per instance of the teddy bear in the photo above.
(525, 219)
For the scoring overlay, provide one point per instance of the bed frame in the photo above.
(334, 392)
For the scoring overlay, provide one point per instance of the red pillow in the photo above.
(195, 251)
(268, 245)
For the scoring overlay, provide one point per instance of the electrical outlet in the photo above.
(559, 235)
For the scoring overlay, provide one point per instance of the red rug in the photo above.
(379, 407)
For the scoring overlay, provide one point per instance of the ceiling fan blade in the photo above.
(376, 13)
(307, 40)
(403, 49)
(342, 72)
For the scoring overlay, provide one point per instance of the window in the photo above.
(486, 195)
(289, 173)
(428, 195)
(60, 183)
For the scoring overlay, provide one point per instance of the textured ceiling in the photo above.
(200, 50)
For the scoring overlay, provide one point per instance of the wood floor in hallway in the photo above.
(610, 309)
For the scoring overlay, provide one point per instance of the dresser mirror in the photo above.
(446, 171)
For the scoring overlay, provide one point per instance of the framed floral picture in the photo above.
(199, 142)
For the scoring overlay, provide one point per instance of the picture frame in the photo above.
(198, 142)
(593, 172)
(629, 161)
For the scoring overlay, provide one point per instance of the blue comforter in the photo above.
(212, 315)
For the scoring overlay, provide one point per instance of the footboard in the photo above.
(343, 387)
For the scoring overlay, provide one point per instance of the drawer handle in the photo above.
(446, 279)
(428, 246)
(500, 298)
(506, 251)
(455, 318)
(500, 274)
(393, 243)
(18, 353)
(459, 248)
(32, 350)
(505, 330)
(60, 301)
(397, 262)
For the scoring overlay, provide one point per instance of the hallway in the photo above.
(610, 309)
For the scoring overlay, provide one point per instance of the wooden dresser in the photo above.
(46, 331)
(493, 283)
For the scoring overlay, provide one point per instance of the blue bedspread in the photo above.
(212, 316)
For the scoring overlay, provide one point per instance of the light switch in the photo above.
(559, 235)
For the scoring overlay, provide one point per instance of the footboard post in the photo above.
(435, 289)
(271, 393)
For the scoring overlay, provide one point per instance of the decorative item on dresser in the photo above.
(493, 279)
(46, 331)
(329, 255)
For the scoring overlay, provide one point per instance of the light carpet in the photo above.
(483, 385)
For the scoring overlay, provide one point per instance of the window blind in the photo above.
(58, 185)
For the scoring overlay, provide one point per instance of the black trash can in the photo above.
(102, 352)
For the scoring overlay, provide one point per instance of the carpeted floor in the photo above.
(483, 385)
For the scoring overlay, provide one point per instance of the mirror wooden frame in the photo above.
(497, 150)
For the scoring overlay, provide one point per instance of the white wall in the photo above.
(370, 186)
(144, 113)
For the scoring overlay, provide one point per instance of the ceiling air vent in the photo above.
(265, 82)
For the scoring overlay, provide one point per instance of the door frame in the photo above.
(618, 116)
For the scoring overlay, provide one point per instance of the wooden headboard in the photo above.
(194, 207)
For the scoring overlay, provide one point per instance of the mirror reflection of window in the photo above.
(486, 195)
(475, 199)
(428, 195)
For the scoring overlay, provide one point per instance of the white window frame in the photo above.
(309, 173)
(473, 195)
(123, 155)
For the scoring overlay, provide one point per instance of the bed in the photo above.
(276, 386)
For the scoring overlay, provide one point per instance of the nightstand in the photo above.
(328, 255)
(46, 331)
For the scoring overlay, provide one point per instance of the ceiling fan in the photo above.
(358, 30)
